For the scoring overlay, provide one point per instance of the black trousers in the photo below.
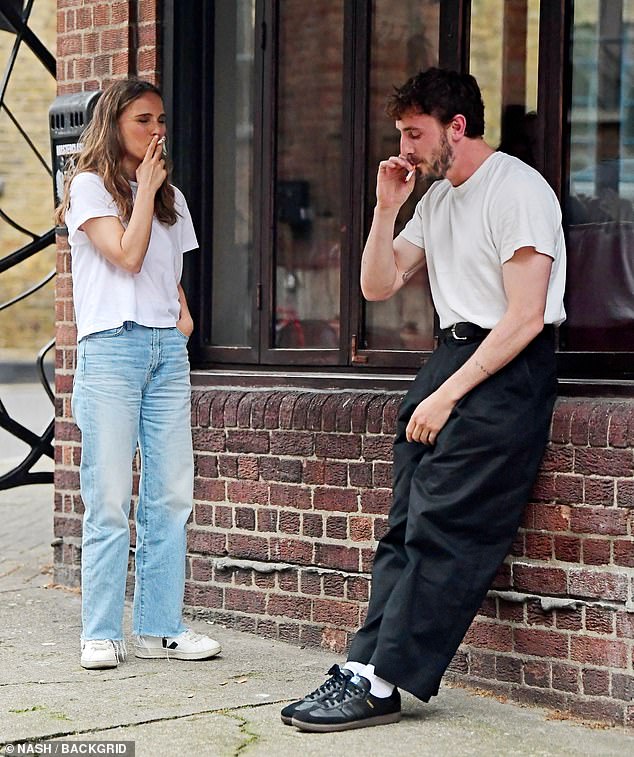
(456, 510)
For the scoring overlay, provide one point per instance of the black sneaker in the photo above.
(335, 683)
(352, 707)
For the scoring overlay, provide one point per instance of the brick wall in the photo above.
(293, 488)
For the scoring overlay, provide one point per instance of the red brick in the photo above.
(595, 682)
(625, 493)
(508, 669)
(569, 620)
(587, 583)
(251, 492)
(310, 583)
(381, 527)
(567, 548)
(561, 423)
(377, 448)
(538, 546)
(288, 495)
(596, 551)
(248, 468)
(360, 474)
(568, 489)
(223, 516)
(604, 462)
(331, 498)
(543, 491)
(536, 673)
(600, 620)
(248, 441)
(497, 636)
(312, 524)
(248, 547)
(289, 522)
(67, 526)
(598, 710)
(344, 614)
(209, 489)
(206, 542)
(245, 518)
(334, 639)
(539, 580)
(358, 588)
(599, 491)
(605, 652)
(481, 664)
(334, 585)
(203, 515)
(338, 557)
(337, 527)
(536, 616)
(624, 552)
(557, 459)
(540, 643)
(292, 443)
(207, 440)
(511, 611)
(550, 517)
(292, 550)
(378, 501)
(245, 601)
(114, 39)
(338, 446)
(598, 520)
(360, 529)
(565, 677)
(289, 606)
(335, 474)
(623, 687)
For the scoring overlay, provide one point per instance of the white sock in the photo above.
(378, 686)
(354, 667)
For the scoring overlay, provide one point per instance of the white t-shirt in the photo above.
(468, 232)
(104, 295)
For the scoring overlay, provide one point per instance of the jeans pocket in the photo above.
(107, 333)
(180, 333)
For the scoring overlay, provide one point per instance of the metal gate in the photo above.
(14, 18)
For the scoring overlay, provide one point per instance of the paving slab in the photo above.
(225, 707)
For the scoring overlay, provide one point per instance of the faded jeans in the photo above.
(132, 386)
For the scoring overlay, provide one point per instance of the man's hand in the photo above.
(185, 324)
(429, 418)
(392, 186)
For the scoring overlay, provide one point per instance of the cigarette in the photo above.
(410, 174)
(161, 141)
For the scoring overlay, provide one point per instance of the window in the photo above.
(278, 108)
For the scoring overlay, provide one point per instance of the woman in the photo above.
(128, 229)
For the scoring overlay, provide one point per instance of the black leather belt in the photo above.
(463, 332)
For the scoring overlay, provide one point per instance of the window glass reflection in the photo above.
(308, 180)
(600, 208)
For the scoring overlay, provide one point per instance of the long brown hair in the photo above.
(103, 153)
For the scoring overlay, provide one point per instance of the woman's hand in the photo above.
(185, 324)
(151, 172)
(429, 417)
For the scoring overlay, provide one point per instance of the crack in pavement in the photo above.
(80, 732)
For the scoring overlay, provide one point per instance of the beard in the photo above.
(440, 162)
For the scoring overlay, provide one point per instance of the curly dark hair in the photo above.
(443, 94)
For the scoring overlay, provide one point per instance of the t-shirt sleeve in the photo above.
(526, 214)
(88, 199)
(413, 229)
(187, 235)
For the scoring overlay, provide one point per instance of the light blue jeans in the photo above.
(132, 386)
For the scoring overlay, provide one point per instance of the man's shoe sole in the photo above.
(286, 720)
(165, 654)
(392, 717)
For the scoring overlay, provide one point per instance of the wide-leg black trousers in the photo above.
(456, 510)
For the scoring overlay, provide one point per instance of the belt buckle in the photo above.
(455, 336)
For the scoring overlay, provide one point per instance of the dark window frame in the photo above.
(187, 49)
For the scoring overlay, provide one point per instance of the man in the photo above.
(473, 427)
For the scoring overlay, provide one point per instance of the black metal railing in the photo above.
(14, 18)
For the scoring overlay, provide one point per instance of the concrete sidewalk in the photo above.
(223, 707)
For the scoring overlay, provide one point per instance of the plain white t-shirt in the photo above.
(104, 295)
(468, 232)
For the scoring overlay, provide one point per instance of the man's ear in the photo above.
(458, 126)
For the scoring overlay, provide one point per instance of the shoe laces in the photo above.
(348, 691)
(332, 685)
(191, 635)
(120, 649)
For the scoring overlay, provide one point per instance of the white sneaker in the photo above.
(188, 645)
(102, 653)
